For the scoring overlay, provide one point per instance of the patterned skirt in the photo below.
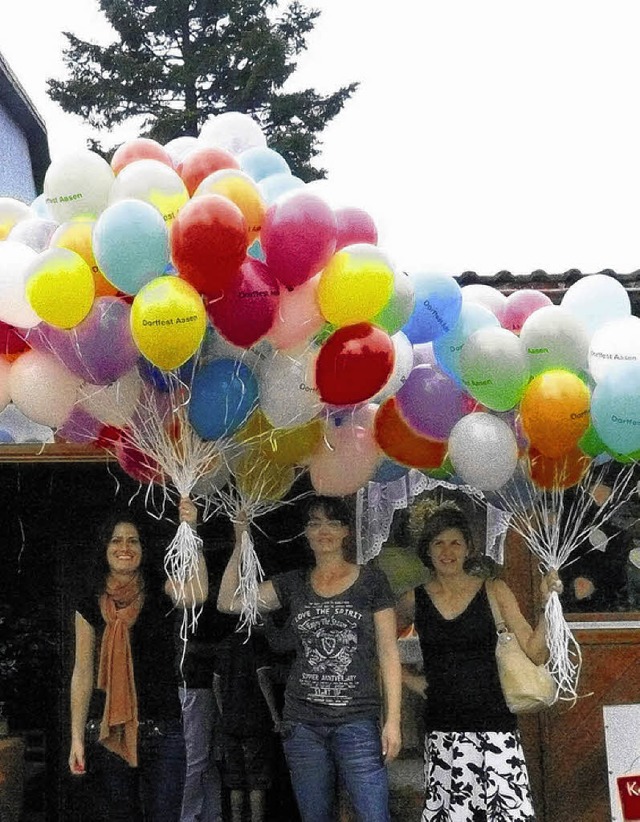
(475, 777)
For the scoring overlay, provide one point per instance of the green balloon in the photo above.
(494, 368)
(591, 444)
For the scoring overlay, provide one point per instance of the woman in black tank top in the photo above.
(474, 764)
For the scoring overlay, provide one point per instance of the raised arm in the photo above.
(229, 601)
(196, 589)
(81, 688)
(389, 660)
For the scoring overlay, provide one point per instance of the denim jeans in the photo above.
(153, 791)
(201, 801)
(316, 754)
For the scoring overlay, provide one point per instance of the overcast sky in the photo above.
(488, 135)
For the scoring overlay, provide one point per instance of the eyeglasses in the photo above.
(331, 524)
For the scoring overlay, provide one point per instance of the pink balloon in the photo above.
(298, 237)
(355, 226)
(347, 457)
(298, 316)
(248, 308)
(520, 305)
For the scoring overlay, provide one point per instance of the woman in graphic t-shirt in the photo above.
(343, 621)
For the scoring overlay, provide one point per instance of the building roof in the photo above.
(22, 110)
(554, 284)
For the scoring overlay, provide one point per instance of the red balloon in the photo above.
(201, 162)
(248, 308)
(140, 148)
(563, 472)
(137, 464)
(355, 226)
(354, 364)
(209, 243)
(400, 442)
(11, 341)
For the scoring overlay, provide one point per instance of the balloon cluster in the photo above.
(206, 261)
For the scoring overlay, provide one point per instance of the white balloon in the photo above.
(402, 367)
(112, 404)
(232, 131)
(555, 338)
(288, 393)
(153, 182)
(5, 393)
(12, 211)
(15, 262)
(483, 451)
(178, 148)
(42, 388)
(209, 483)
(614, 344)
(487, 296)
(77, 185)
(35, 232)
(595, 300)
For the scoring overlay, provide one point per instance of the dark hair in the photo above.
(101, 565)
(334, 508)
(476, 564)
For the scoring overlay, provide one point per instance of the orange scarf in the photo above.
(119, 606)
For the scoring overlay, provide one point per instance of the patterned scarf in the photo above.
(119, 606)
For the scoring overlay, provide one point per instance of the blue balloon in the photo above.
(255, 251)
(131, 244)
(275, 185)
(223, 395)
(448, 347)
(162, 379)
(388, 471)
(261, 162)
(615, 409)
(438, 300)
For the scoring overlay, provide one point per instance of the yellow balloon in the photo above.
(356, 285)
(168, 321)
(238, 187)
(292, 446)
(262, 479)
(59, 287)
(78, 236)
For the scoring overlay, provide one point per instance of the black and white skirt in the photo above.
(475, 777)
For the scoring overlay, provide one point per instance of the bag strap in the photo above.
(501, 625)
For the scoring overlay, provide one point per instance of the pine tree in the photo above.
(180, 61)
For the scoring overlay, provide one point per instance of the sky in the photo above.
(484, 136)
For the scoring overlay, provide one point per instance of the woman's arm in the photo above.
(228, 600)
(196, 589)
(389, 659)
(81, 688)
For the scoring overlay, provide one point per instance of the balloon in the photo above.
(402, 367)
(354, 226)
(12, 341)
(346, 458)
(39, 208)
(492, 299)
(88, 350)
(389, 471)
(201, 163)
(112, 404)
(5, 394)
(255, 251)
(261, 479)
(42, 389)
(131, 244)
(438, 301)
(400, 307)
(79, 427)
(135, 463)
(261, 162)
(596, 299)
(555, 412)
(615, 409)
(431, 402)
(494, 368)
(298, 237)
(168, 321)
(483, 451)
(211, 482)
(241, 190)
(179, 147)
(400, 442)
(298, 316)
(78, 236)
(563, 472)
(153, 182)
(423, 354)
(285, 446)
(449, 346)
(223, 395)
(520, 305)
(355, 285)
(590, 443)
(12, 211)
(613, 345)
(77, 185)
(288, 393)
(247, 310)
(209, 243)
(354, 364)
(59, 287)
(34, 232)
(139, 148)
(277, 185)
(15, 260)
(554, 338)
(234, 131)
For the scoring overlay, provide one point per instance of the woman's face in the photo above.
(124, 552)
(448, 551)
(325, 535)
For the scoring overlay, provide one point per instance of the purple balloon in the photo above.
(431, 402)
(100, 349)
(79, 427)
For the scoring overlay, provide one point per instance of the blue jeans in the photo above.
(201, 801)
(153, 790)
(316, 754)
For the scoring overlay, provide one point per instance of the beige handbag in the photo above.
(527, 687)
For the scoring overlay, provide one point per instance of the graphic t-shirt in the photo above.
(334, 675)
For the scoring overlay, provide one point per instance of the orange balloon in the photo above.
(77, 236)
(402, 443)
(201, 162)
(551, 474)
(140, 148)
(555, 411)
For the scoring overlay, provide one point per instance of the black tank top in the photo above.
(463, 692)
